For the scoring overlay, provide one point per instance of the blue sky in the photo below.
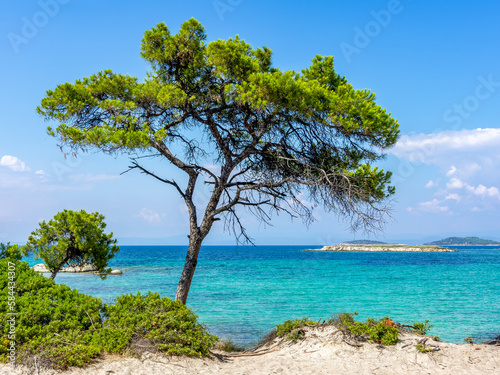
(433, 65)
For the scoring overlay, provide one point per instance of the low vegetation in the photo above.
(421, 328)
(229, 346)
(168, 324)
(291, 329)
(383, 331)
(60, 327)
(422, 348)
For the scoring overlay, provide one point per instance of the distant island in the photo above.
(385, 247)
(436, 246)
(463, 241)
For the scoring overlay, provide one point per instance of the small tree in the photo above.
(13, 252)
(273, 133)
(75, 238)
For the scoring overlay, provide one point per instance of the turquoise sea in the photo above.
(241, 293)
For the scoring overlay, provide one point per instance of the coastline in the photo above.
(386, 248)
(324, 350)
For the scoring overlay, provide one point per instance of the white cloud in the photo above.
(455, 183)
(433, 206)
(150, 216)
(453, 196)
(431, 184)
(13, 163)
(464, 154)
(428, 147)
(480, 190)
(42, 175)
(452, 171)
(484, 191)
(93, 177)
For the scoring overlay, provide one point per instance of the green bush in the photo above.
(53, 322)
(291, 328)
(422, 348)
(383, 331)
(14, 252)
(169, 324)
(229, 346)
(62, 327)
(421, 328)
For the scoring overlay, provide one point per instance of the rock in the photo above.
(40, 268)
(495, 341)
(82, 268)
(385, 247)
(73, 269)
(88, 268)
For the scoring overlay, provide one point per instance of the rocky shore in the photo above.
(73, 269)
(393, 248)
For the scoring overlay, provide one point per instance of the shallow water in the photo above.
(241, 293)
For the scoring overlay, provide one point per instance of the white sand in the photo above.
(323, 351)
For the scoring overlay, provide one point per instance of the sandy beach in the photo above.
(323, 351)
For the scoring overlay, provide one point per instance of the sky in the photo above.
(433, 65)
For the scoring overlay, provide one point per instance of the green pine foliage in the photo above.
(168, 323)
(54, 322)
(73, 237)
(62, 327)
(13, 252)
(274, 133)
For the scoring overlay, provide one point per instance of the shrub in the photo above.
(54, 322)
(291, 328)
(10, 251)
(422, 348)
(421, 328)
(229, 346)
(169, 324)
(383, 331)
(62, 327)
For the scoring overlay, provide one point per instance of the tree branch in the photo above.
(145, 171)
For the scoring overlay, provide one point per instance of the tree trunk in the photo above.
(61, 265)
(197, 234)
(189, 267)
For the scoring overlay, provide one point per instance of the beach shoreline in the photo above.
(324, 350)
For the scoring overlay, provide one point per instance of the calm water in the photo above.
(242, 293)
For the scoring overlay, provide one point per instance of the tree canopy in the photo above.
(73, 237)
(13, 252)
(274, 134)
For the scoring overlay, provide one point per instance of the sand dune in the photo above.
(323, 351)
